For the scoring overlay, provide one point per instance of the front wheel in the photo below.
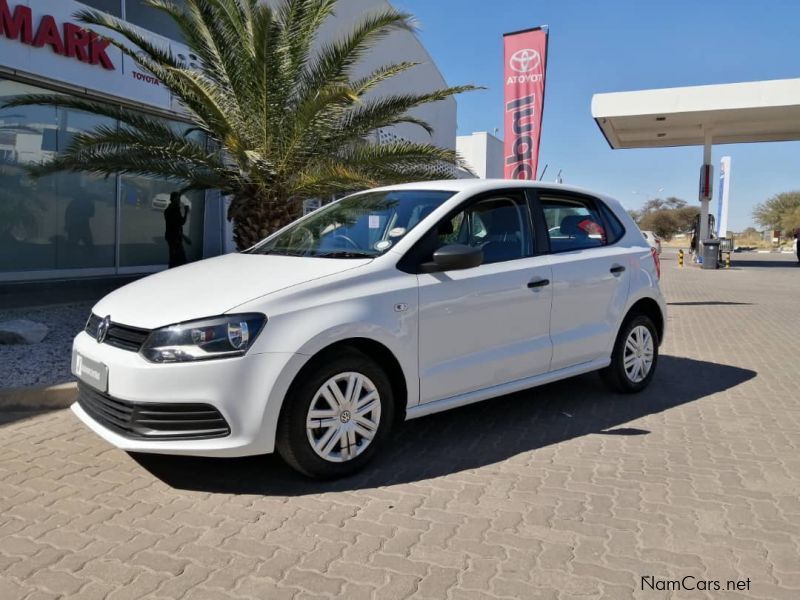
(336, 417)
(635, 356)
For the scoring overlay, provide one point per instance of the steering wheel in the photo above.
(347, 240)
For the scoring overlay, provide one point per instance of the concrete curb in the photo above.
(39, 398)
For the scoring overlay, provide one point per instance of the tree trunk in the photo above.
(257, 214)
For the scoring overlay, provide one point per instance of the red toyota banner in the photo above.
(525, 65)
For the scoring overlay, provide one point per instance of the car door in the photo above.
(591, 276)
(487, 325)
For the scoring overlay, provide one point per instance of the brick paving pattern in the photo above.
(566, 491)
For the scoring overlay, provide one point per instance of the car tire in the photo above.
(318, 452)
(635, 356)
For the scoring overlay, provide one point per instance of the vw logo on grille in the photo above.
(102, 329)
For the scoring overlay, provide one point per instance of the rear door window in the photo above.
(573, 223)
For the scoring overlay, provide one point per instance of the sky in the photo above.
(620, 45)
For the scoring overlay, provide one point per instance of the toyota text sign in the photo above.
(525, 59)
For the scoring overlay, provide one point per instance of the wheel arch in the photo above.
(650, 308)
(374, 350)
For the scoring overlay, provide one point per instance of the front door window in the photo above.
(498, 225)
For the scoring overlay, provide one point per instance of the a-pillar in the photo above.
(704, 203)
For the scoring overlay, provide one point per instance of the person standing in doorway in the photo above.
(175, 219)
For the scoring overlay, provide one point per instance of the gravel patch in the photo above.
(48, 362)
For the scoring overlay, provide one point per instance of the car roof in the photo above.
(482, 185)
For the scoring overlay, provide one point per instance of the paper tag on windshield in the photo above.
(374, 221)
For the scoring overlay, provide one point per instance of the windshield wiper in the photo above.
(345, 254)
(278, 252)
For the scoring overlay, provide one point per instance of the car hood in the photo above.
(212, 287)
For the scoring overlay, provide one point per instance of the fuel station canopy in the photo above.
(755, 111)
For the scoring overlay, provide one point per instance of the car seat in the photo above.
(503, 238)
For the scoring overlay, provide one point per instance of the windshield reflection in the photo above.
(361, 226)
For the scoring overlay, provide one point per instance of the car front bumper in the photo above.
(247, 391)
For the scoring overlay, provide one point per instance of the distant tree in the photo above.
(781, 211)
(666, 217)
(750, 232)
(635, 214)
(660, 222)
(685, 217)
(656, 204)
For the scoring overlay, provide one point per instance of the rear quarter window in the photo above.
(614, 229)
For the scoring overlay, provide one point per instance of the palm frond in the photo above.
(283, 114)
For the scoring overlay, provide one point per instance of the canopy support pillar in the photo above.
(704, 203)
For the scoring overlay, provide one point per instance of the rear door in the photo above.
(591, 276)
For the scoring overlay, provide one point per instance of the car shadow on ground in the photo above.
(9, 415)
(788, 263)
(470, 437)
(710, 303)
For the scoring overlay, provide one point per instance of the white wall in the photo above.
(483, 153)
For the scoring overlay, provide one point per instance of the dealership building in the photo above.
(72, 225)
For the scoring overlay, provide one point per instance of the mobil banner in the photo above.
(525, 59)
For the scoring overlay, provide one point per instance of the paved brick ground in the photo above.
(562, 492)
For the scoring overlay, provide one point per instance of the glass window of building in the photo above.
(143, 226)
(70, 221)
(112, 7)
(63, 221)
(138, 13)
(87, 207)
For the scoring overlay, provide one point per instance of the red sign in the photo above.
(69, 40)
(525, 65)
(706, 182)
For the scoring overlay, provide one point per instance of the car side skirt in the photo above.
(430, 408)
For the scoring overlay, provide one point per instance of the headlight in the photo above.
(217, 337)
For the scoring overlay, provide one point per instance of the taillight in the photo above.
(657, 261)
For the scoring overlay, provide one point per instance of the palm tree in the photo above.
(285, 118)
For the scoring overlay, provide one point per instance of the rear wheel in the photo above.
(337, 416)
(635, 356)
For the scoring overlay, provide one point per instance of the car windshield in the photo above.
(360, 226)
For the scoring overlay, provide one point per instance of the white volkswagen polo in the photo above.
(389, 304)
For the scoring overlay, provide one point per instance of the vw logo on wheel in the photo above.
(102, 329)
(525, 60)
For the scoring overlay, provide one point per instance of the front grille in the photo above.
(119, 336)
(153, 421)
(91, 325)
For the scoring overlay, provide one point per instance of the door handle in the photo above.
(617, 269)
(538, 283)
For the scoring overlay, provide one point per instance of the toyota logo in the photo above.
(525, 60)
(102, 329)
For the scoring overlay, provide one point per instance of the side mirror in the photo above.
(453, 257)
